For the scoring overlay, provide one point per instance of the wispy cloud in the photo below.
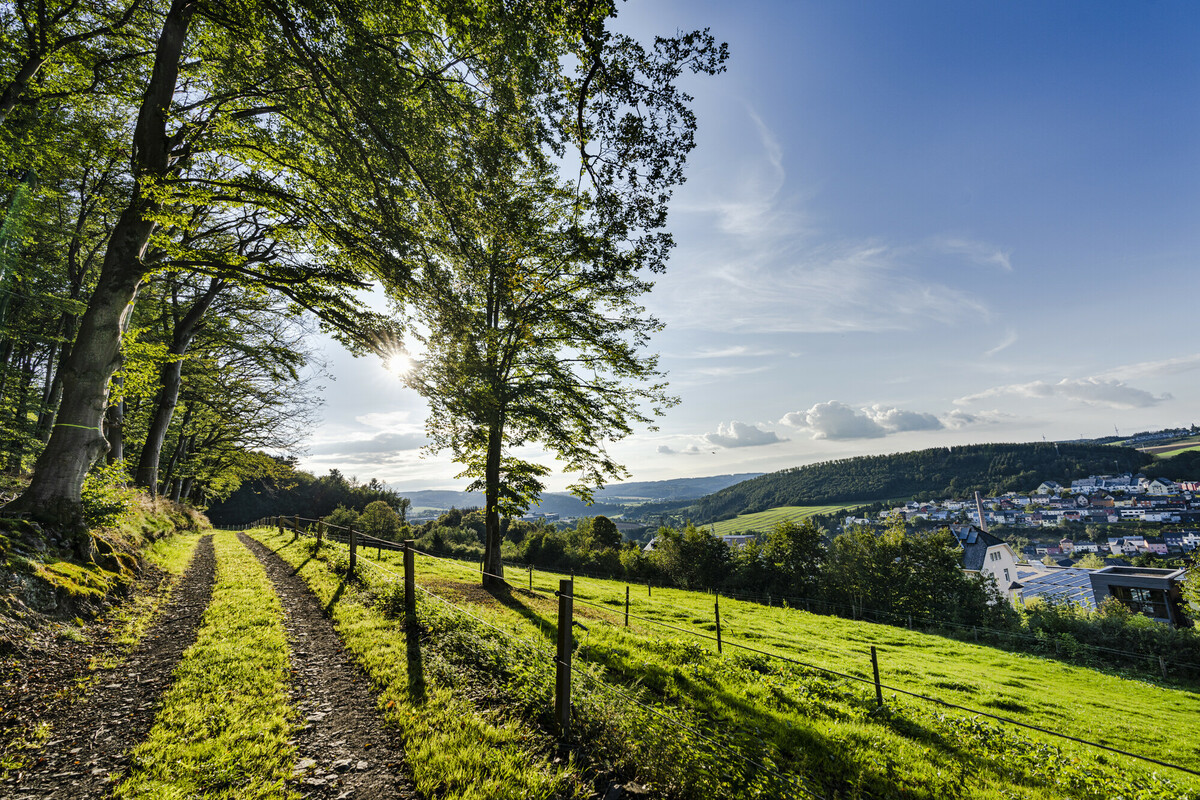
(726, 372)
(1153, 369)
(1010, 338)
(733, 351)
(974, 251)
(773, 271)
(1093, 391)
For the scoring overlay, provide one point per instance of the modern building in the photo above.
(1157, 593)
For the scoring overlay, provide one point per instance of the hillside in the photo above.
(610, 500)
(937, 472)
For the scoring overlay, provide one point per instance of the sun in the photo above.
(398, 364)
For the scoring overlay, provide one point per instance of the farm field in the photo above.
(763, 521)
(754, 724)
(1179, 446)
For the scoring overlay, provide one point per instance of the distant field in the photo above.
(1190, 443)
(1172, 450)
(765, 520)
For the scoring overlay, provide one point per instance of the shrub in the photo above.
(106, 495)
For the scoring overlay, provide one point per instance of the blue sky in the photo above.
(905, 225)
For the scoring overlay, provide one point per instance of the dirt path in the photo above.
(344, 750)
(91, 740)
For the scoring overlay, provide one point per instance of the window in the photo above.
(1151, 602)
(1006, 578)
(994, 555)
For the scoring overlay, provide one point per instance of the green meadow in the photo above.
(656, 703)
(765, 520)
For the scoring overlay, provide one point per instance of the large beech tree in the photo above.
(526, 310)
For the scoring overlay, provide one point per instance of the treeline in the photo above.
(287, 491)
(924, 474)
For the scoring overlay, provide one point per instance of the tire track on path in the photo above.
(89, 743)
(344, 750)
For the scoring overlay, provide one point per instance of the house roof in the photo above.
(975, 544)
(1070, 584)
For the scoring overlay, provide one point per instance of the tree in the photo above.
(605, 533)
(1191, 593)
(380, 520)
(794, 551)
(526, 311)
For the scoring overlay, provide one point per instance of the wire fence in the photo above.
(347, 535)
(588, 675)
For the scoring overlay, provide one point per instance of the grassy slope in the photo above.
(825, 729)
(763, 521)
(224, 728)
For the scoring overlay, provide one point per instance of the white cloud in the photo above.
(377, 444)
(1095, 391)
(959, 419)
(667, 450)
(898, 420)
(835, 420)
(740, 434)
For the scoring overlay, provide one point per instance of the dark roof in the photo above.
(1057, 585)
(975, 544)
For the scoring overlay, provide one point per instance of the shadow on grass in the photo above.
(511, 598)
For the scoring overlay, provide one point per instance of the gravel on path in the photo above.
(344, 750)
(90, 742)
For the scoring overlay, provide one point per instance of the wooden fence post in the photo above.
(320, 531)
(353, 550)
(296, 522)
(717, 611)
(648, 592)
(1163, 666)
(562, 681)
(410, 586)
(531, 577)
(875, 669)
(626, 606)
(279, 522)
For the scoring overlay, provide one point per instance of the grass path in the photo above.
(224, 727)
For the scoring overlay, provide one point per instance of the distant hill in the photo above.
(937, 472)
(611, 500)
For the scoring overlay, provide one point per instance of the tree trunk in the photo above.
(16, 443)
(76, 441)
(170, 379)
(114, 428)
(491, 549)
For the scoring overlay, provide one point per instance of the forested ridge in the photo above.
(936, 472)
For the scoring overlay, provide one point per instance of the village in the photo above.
(1077, 562)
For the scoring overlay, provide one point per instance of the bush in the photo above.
(106, 495)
